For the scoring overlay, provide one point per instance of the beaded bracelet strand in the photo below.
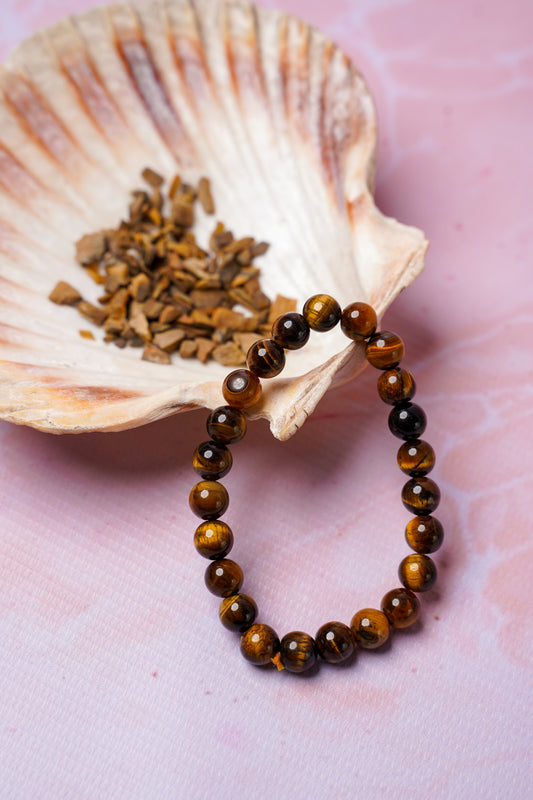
(369, 628)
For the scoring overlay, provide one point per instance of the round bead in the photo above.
(212, 460)
(358, 321)
(417, 572)
(290, 331)
(226, 425)
(260, 644)
(322, 312)
(213, 539)
(241, 388)
(401, 607)
(421, 495)
(407, 421)
(265, 358)
(370, 628)
(396, 385)
(297, 651)
(208, 499)
(223, 577)
(237, 612)
(335, 642)
(424, 534)
(384, 350)
(416, 458)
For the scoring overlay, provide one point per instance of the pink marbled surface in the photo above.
(116, 679)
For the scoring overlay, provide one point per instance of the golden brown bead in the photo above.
(421, 495)
(424, 534)
(213, 539)
(260, 644)
(290, 331)
(335, 642)
(358, 321)
(241, 388)
(297, 651)
(212, 460)
(384, 350)
(322, 312)
(407, 421)
(396, 385)
(226, 425)
(416, 458)
(223, 577)
(237, 612)
(417, 572)
(208, 499)
(401, 607)
(370, 628)
(265, 358)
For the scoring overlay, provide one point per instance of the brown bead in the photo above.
(416, 458)
(384, 350)
(335, 642)
(260, 644)
(208, 499)
(407, 421)
(226, 425)
(241, 388)
(212, 460)
(370, 628)
(322, 312)
(358, 321)
(421, 495)
(396, 385)
(297, 651)
(213, 539)
(237, 612)
(417, 572)
(424, 534)
(223, 577)
(401, 607)
(265, 358)
(290, 331)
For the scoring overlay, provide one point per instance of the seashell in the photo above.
(269, 109)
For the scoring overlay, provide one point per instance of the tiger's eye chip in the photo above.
(162, 291)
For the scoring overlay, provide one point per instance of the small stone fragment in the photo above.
(204, 348)
(64, 294)
(229, 355)
(154, 354)
(153, 178)
(205, 197)
(140, 287)
(169, 340)
(226, 318)
(92, 313)
(281, 305)
(188, 348)
(86, 334)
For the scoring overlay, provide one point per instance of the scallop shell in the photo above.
(278, 118)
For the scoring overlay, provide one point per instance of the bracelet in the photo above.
(370, 628)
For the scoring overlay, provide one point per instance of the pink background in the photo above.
(116, 678)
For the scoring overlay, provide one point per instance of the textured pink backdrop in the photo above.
(116, 679)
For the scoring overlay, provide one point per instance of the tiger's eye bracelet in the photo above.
(369, 628)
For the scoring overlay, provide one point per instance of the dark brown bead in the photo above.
(335, 642)
(213, 539)
(212, 460)
(322, 312)
(226, 425)
(359, 321)
(290, 331)
(265, 358)
(424, 534)
(260, 644)
(384, 350)
(417, 572)
(396, 385)
(223, 577)
(416, 458)
(208, 499)
(407, 421)
(237, 612)
(241, 388)
(297, 651)
(370, 628)
(421, 495)
(401, 607)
